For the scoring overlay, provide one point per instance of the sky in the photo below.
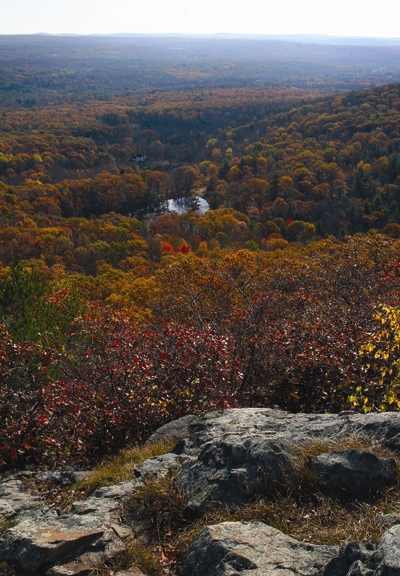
(367, 18)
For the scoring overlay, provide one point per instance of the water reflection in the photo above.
(191, 204)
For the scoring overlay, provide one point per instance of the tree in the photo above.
(184, 180)
(33, 312)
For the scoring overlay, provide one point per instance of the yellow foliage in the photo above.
(385, 344)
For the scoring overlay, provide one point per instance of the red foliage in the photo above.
(183, 249)
(166, 247)
(122, 385)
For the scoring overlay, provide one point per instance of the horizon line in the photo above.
(210, 34)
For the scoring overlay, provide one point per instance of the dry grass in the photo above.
(135, 554)
(324, 522)
(110, 472)
(159, 509)
(320, 519)
(121, 467)
(300, 508)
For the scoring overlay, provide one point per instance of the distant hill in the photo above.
(299, 38)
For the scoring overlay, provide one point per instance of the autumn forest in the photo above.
(119, 313)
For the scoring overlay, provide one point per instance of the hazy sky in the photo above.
(339, 18)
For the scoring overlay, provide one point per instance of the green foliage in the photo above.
(31, 311)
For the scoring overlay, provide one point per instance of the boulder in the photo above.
(232, 470)
(255, 549)
(297, 428)
(32, 547)
(359, 473)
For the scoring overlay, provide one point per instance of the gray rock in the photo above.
(368, 560)
(389, 547)
(106, 502)
(234, 548)
(388, 520)
(31, 547)
(18, 498)
(70, 544)
(299, 428)
(231, 471)
(357, 472)
(63, 477)
(174, 431)
(159, 466)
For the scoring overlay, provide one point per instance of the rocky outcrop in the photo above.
(46, 542)
(225, 458)
(174, 431)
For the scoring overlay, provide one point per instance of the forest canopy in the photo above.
(118, 315)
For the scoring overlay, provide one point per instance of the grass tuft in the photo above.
(135, 554)
(158, 508)
(6, 525)
(121, 467)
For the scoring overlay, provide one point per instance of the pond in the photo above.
(192, 204)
